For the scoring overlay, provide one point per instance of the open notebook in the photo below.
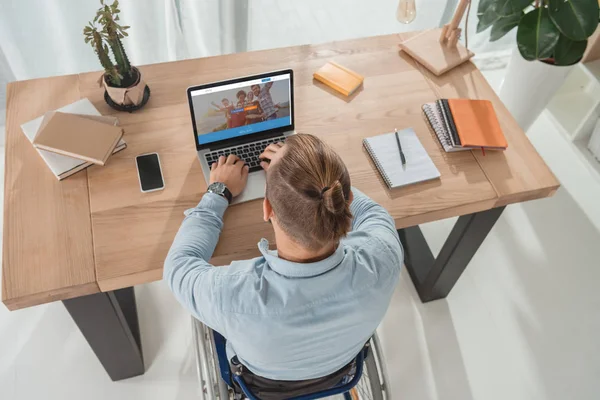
(384, 152)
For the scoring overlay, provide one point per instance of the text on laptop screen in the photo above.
(238, 109)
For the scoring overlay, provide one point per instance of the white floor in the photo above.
(522, 322)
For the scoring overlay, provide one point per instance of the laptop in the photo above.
(242, 116)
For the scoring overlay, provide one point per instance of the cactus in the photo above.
(111, 33)
(121, 57)
(95, 38)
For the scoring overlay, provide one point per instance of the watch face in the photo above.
(217, 187)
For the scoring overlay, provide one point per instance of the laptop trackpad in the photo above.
(255, 189)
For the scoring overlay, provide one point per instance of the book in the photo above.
(477, 124)
(433, 115)
(63, 166)
(339, 78)
(443, 103)
(78, 137)
(385, 154)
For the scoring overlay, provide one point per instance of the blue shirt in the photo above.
(287, 320)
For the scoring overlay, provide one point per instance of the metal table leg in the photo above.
(434, 278)
(109, 323)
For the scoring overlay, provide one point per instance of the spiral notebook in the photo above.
(435, 118)
(384, 152)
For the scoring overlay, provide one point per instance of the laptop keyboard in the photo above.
(247, 152)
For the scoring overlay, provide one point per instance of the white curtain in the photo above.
(41, 38)
(6, 75)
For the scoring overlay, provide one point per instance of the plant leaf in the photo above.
(504, 25)
(484, 5)
(537, 35)
(487, 19)
(576, 19)
(507, 8)
(569, 52)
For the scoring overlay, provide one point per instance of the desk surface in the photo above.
(96, 231)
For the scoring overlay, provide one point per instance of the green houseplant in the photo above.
(552, 31)
(551, 39)
(123, 83)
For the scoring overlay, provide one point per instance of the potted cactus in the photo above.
(125, 89)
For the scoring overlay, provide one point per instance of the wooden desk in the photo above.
(93, 236)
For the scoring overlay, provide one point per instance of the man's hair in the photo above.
(241, 92)
(224, 99)
(309, 190)
(252, 87)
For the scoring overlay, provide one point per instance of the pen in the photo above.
(402, 158)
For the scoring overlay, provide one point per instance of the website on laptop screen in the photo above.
(238, 109)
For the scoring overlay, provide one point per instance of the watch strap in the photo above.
(227, 195)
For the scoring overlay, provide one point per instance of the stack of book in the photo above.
(463, 124)
(74, 137)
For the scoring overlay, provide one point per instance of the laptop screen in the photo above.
(236, 109)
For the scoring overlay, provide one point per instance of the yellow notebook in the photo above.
(339, 78)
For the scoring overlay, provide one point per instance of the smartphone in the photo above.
(149, 172)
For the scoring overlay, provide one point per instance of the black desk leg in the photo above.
(109, 323)
(434, 278)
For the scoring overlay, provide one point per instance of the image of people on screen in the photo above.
(235, 108)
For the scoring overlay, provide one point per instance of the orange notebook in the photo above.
(477, 124)
(339, 78)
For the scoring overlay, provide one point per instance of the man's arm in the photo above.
(372, 218)
(191, 278)
(268, 86)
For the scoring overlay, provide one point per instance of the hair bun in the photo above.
(333, 198)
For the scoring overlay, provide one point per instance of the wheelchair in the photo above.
(368, 380)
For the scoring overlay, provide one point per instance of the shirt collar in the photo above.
(300, 270)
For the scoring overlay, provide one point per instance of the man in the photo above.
(238, 114)
(264, 99)
(305, 310)
(225, 108)
(253, 111)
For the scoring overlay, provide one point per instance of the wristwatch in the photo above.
(220, 189)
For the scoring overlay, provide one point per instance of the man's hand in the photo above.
(271, 155)
(232, 172)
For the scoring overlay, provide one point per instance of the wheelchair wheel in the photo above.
(211, 386)
(373, 383)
